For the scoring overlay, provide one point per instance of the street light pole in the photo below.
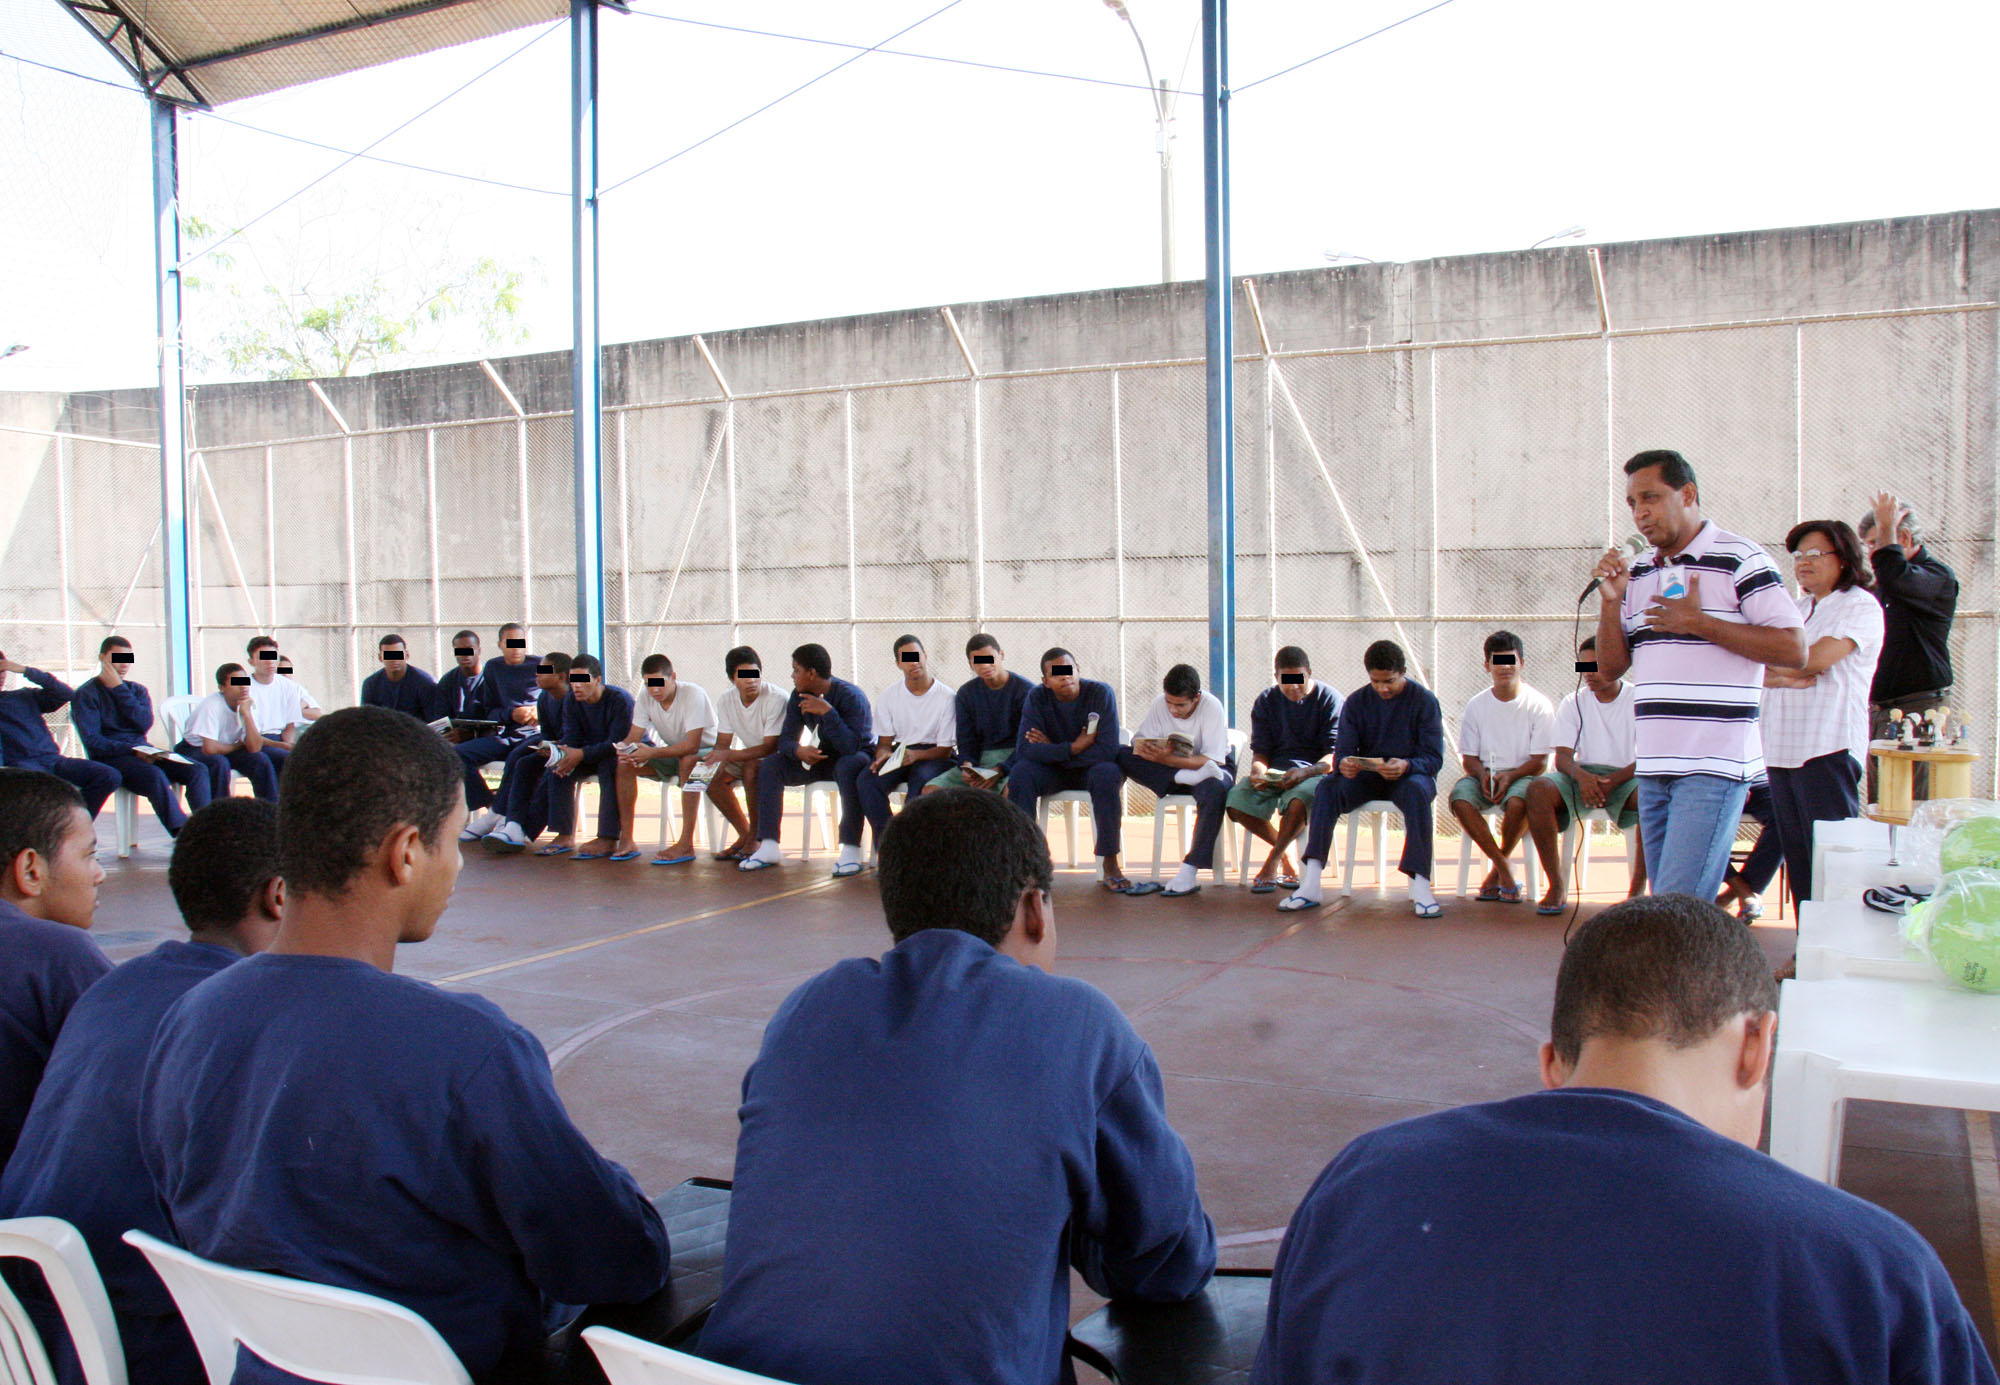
(1163, 115)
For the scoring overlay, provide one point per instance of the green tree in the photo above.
(289, 332)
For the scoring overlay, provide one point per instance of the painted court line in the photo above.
(574, 948)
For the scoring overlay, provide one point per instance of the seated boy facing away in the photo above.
(307, 1112)
(78, 1157)
(1621, 1225)
(933, 1139)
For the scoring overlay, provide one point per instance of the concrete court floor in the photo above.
(1281, 1036)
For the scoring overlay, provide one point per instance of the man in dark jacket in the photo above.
(1919, 597)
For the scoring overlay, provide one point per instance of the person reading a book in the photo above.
(398, 685)
(1596, 747)
(596, 720)
(916, 724)
(1069, 740)
(113, 717)
(524, 800)
(1292, 727)
(989, 719)
(274, 700)
(749, 720)
(1390, 747)
(1182, 747)
(462, 694)
(507, 686)
(678, 716)
(828, 736)
(25, 742)
(1503, 742)
(222, 734)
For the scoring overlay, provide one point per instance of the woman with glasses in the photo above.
(1815, 718)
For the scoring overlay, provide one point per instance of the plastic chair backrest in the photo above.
(174, 714)
(59, 1249)
(335, 1336)
(629, 1361)
(1239, 750)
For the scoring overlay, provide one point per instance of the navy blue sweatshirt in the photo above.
(1589, 1235)
(931, 1141)
(849, 727)
(513, 685)
(990, 719)
(460, 696)
(25, 742)
(595, 728)
(44, 969)
(111, 721)
(1408, 726)
(1063, 722)
(415, 692)
(320, 1118)
(1287, 734)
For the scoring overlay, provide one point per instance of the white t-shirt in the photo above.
(1504, 734)
(1208, 727)
(306, 699)
(276, 704)
(1598, 733)
(1802, 724)
(214, 719)
(673, 723)
(928, 720)
(749, 727)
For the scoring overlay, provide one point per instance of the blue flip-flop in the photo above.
(1180, 894)
(623, 856)
(554, 850)
(1426, 911)
(1550, 908)
(669, 860)
(588, 856)
(1263, 886)
(754, 863)
(1296, 903)
(848, 872)
(1143, 887)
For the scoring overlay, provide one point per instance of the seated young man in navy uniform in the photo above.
(113, 717)
(78, 1157)
(399, 684)
(25, 742)
(934, 1138)
(443, 1172)
(828, 735)
(48, 897)
(1620, 1226)
(1069, 740)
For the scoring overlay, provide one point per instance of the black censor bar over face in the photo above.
(267, 654)
(121, 658)
(982, 658)
(654, 682)
(579, 678)
(747, 672)
(516, 644)
(395, 654)
(239, 680)
(1292, 678)
(1062, 670)
(545, 668)
(465, 651)
(909, 656)
(1503, 660)
(1586, 665)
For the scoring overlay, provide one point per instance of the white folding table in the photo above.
(1862, 841)
(1872, 1038)
(1844, 937)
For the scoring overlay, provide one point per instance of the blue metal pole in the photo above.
(586, 380)
(178, 654)
(1221, 324)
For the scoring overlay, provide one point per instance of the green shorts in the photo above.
(1260, 802)
(667, 768)
(1467, 790)
(954, 778)
(1620, 802)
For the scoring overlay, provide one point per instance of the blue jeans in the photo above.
(1688, 823)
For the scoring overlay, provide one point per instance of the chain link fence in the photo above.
(1426, 492)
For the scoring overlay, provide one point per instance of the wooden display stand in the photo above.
(1951, 776)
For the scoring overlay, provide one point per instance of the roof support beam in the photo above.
(586, 363)
(1221, 324)
(293, 40)
(179, 652)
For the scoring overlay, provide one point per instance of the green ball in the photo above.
(1961, 931)
(1974, 842)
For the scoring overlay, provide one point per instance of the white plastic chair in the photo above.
(1181, 804)
(174, 714)
(1377, 811)
(629, 1361)
(1530, 870)
(325, 1334)
(125, 813)
(1577, 837)
(820, 803)
(59, 1249)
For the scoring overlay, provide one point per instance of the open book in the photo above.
(472, 726)
(897, 751)
(1176, 744)
(982, 776)
(702, 776)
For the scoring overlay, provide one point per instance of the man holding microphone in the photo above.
(1695, 620)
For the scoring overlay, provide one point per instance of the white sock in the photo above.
(1309, 882)
(1191, 777)
(485, 822)
(1420, 890)
(1186, 878)
(510, 831)
(767, 850)
(849, 855)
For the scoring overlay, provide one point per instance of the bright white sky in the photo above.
(901, 183)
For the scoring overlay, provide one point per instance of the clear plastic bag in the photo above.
(1930, 844)
(1958, 928)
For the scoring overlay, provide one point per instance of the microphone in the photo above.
(1634, 545)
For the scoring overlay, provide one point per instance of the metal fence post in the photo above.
(1221, 317)
(431, 518)
(853, 576)
(62, 554)
(1118, 520)
(586, 374)
(174, 518)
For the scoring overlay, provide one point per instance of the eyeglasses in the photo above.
(1808, 554)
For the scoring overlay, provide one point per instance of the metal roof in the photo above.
(210, 52)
